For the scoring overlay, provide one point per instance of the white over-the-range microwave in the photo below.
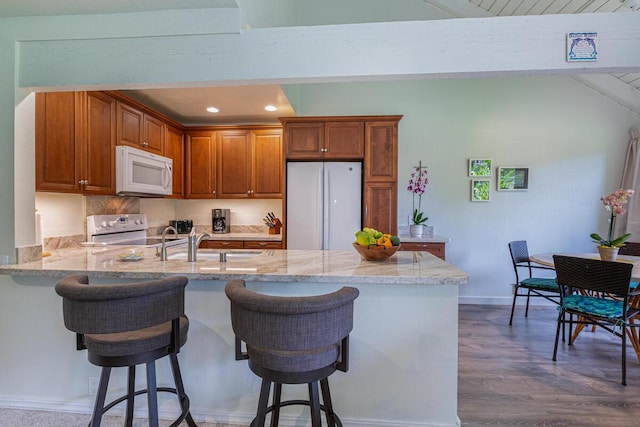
(140, 173)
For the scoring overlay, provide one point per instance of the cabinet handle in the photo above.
(248, 191)
(324, 150)
(145, 144)
(214, 192)
(263, 244)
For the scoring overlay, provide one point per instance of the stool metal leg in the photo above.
(326, 399)
(152, 394)
(98, 408)
(275, 414)
(262, 404)
(131, 390)
(314, 400)
(182, 395)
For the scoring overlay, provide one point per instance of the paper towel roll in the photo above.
(39, 239)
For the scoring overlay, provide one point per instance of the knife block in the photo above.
(277, 226)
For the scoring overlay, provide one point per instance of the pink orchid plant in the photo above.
(417, 186)
(614, 203)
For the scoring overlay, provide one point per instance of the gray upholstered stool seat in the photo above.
(293, 340)
(125, 325)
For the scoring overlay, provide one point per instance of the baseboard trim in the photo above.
(199, 416)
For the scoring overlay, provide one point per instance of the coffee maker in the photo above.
(221, 220)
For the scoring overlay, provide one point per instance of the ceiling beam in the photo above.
(452, 48)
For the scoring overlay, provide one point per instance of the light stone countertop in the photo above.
(260, 266)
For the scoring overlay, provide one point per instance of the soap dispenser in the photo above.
(192, 245)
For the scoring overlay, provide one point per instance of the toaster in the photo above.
(182, 225)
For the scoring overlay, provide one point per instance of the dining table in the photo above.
(546, 259)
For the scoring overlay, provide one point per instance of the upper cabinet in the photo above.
(174, 149)
(75, 142)
(200, 165)
(139, 129)
(323, 138)
(250, 163)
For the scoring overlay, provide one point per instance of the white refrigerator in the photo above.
(324, 204)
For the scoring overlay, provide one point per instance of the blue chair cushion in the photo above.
(633, 285)
(540, 283)
(603, 307)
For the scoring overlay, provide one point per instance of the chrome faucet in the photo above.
(194, 244)
(163, 248)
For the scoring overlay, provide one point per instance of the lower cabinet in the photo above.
(240, 244)
(436, 248)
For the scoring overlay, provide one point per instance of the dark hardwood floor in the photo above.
(507, 377)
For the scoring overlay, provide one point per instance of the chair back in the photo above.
(291, 327)
(104, 309)
(593, 275)
(630, 248)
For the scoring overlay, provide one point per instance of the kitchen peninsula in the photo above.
(403, 368)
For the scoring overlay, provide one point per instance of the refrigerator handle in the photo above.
(327, 211)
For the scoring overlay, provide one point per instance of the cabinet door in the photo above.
(380, 206)
(344, 140)
(129, 125)
(58, 149)
(222, 244)
(99, 149)
(381, 152)
(259, 244)
(305, 140)
(201, 165)
(435, 248)
(267, 164)
(234, 164)
(153, 135)
(175, 151)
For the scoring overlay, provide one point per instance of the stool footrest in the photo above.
(299, 402)
(176, 423)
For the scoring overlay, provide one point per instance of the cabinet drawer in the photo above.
(437, 249)
(257, 244)
(222, 244)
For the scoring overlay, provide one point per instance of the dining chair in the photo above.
(598, 293)
(630, 248)
(535, 287)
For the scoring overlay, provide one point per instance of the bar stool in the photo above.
(125, 325)
(293, 340)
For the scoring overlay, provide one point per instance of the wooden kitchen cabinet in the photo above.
(261, 244)
(436, 248)
(75, 142)
(379, 202)
(381, 151)
(175, 151)
(139, 129)
(240, 244)
(320, 138)
(200, 165)
(234, 164)
(250, 163)
(222, 244)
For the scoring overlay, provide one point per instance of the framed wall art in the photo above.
(512, 178)
(480, 190)
(480, 167)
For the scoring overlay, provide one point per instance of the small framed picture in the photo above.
(479, 167)
(480, 190)
(512, 178)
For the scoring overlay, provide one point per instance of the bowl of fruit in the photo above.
(373, 245)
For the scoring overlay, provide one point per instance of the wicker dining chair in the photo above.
(598, 293)
(630, 248)
(535, 287)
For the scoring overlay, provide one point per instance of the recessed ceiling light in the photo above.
(212, 109)
(270, 108)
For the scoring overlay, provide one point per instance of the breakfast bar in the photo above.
(404, 362)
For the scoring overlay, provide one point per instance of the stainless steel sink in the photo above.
(209, 254)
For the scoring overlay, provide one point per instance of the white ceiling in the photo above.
(246, 104)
